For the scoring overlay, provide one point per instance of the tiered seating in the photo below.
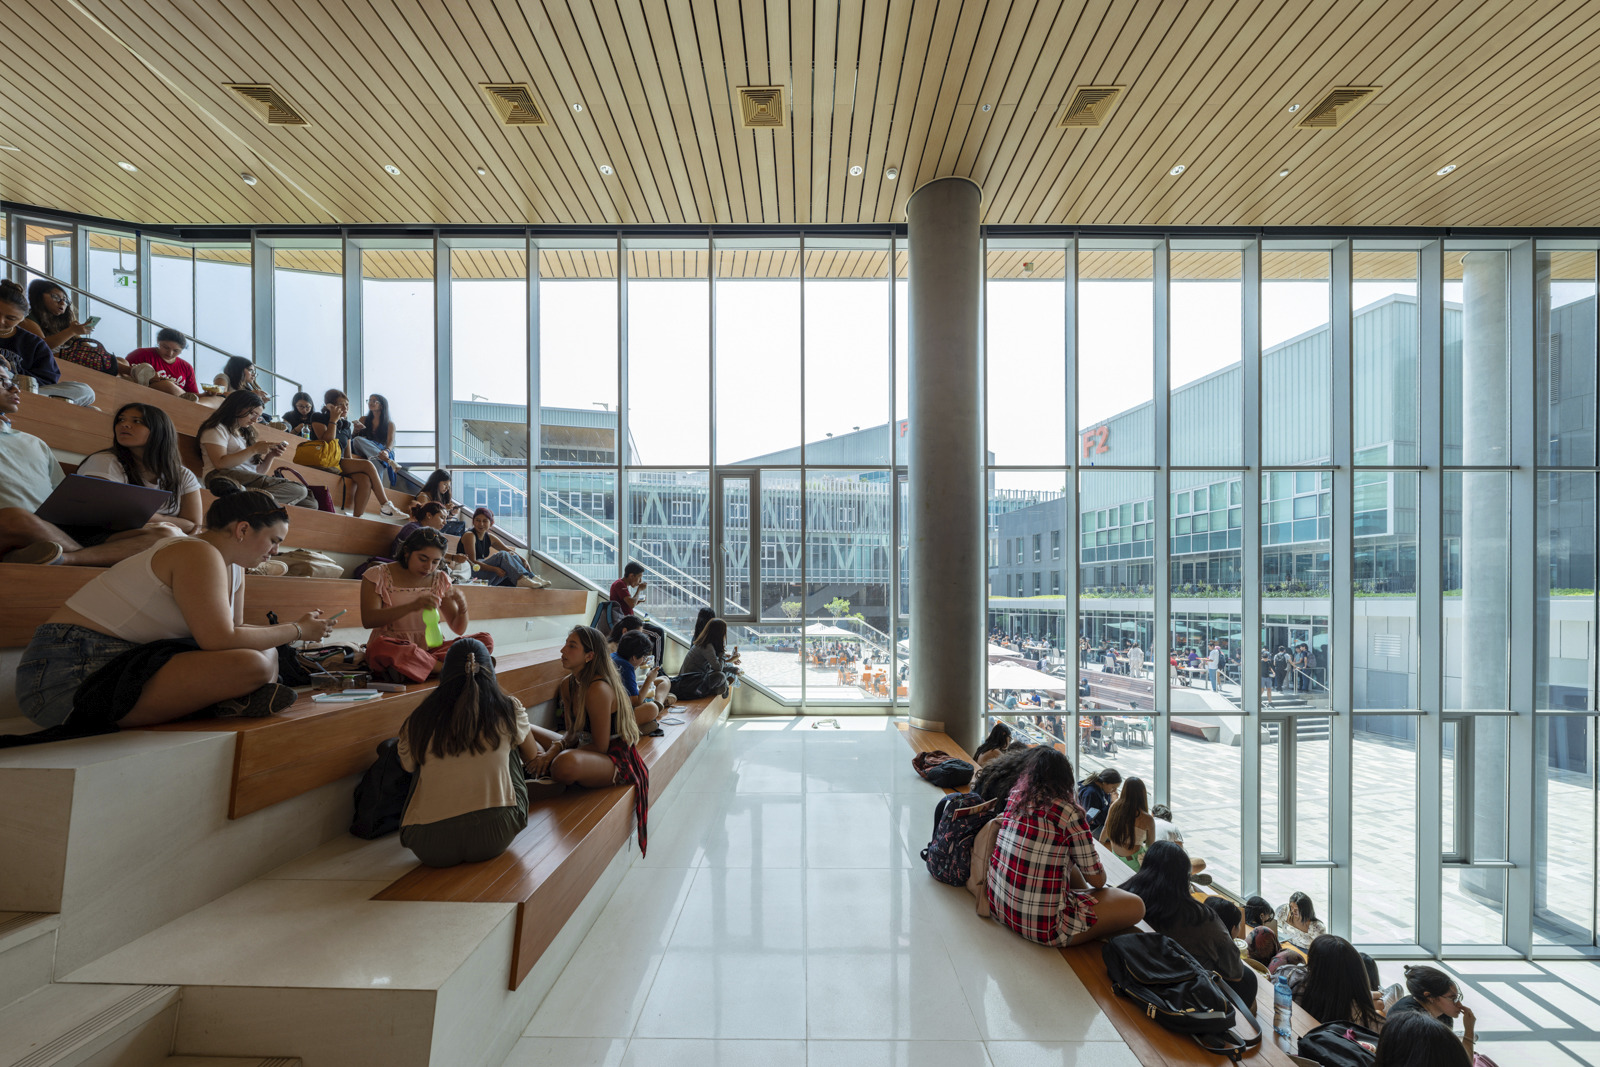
(1154, 1046)
(311, 744)
(35, 592)
(569, 841)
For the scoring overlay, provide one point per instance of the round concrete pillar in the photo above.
(948, 501)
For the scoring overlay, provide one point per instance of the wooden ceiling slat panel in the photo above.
(1375, 126)
(1468, 130)
(1140, 143)
(1507, 91)
(1137, 40)
(1074, 44)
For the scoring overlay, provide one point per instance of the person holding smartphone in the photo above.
(651, 695)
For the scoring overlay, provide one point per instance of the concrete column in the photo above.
(948, 505)
(1485, 578)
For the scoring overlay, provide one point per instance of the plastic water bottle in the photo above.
(1283, 1014)
(430, 623)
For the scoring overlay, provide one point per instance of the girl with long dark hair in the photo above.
(28, 354)
(467, 742)
(1416, 1039)
(437, 489)
(1129, 828)
(395, 600)
(1336, 986)
(1044, 878)
(1163, 884)
(144, 451)
(374, 439)
(331, 424)
(234, 459)
(1298, 924)
(1095, 794)
(701, 673)
(1434, 993)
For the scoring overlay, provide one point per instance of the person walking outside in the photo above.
(1213, 666)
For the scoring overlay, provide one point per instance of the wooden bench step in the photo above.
(569, 841)
(34, 594)
(1152, 1045)
(311, 744)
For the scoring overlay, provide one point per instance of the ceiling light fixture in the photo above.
(392, 169)
(985, 107)
(855, 171)
(578, 108)
(129, 167)
(247, 178)
(605, 168)
(1446, 169)
(9, 148)
(1179, 169)
(1293, 108)
(1283, 174)
(892, 173)
(482, 171)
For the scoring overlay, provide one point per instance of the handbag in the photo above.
(309, 563)
(319, 493)
(87, 352)
(325, 454)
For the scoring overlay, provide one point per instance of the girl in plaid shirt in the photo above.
(1045, 880)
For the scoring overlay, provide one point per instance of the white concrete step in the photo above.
(27, 953)
(121, 833)
(89, 1026)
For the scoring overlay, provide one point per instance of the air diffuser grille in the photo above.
(514, 104)
(271, 104)
(761, 107)
(1089, 106)
(1335, 109)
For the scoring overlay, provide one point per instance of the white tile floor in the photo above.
(782, 918)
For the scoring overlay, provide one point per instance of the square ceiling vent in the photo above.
(761, 107)
(514, 103)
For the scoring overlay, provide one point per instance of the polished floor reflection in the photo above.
(783, 918)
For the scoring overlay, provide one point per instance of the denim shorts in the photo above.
(57, 660)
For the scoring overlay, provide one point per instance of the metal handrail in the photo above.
(145, 318)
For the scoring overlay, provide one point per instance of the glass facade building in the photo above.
(1362, 469)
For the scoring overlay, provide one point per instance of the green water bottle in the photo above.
(430, 622)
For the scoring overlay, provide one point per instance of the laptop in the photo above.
(83, 501)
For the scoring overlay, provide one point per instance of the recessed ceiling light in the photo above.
(129, 167)
(247, 178)
(1446, 169)
(1179, 169)
(1283, 174)
(392, 169)
(605, 168)
(9, 148)
(985, 107)
(855, 171)
(482, 171)
(892, 173)
(1293, 108)
(578, 108)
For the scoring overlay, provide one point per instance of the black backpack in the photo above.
(956, 821)
(381, 794)
(1175, 991)
(1339, 1044)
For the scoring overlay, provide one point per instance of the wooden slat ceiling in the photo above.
(1506, 91)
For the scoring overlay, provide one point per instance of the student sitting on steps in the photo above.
(26, 353)
(649, 696)
(163, 367)
(168, 627)
(395, 600)
(598, 747)
(331, 427)
(235, 460)
(704, 670)
(1044, 878)
(144, 451)
(1163, 884)
(490, 559)
(466, 742)
(28, 472)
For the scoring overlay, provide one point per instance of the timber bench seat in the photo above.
(1152, 1045)
(310, 744)
(568, 843)
(34, 593)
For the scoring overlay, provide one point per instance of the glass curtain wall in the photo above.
(1348, 695)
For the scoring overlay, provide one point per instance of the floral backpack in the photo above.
(89, 353)
(956, 822)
